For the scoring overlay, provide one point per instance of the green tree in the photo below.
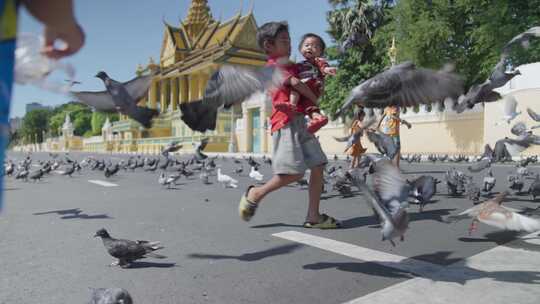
(361, 62)
(80, 115)
(468, 33)
(99, 118)
(34, 125)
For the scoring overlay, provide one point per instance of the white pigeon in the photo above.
(225, 180)
(255, 174)
(509, 108)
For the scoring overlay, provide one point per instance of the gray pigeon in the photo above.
(500, 152)
(170, 148)
(534, 116)
(404, 85)
(228, 86)
(423, 189)
(522, 39)
(122, 97)
(388, 198)
(199, 148)
(534, 188)
(519, 129)
(383, 143)
(127, 251)
(110, 296)
(481, 165)
(489, 182)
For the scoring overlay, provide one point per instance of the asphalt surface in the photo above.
(49, 255)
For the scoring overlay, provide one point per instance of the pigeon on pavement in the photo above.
(110, 296)
(127, 251)
(122, 97)
(255, 174)
(423, 188)
(225, 180)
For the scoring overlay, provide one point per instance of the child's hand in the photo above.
(330, 71)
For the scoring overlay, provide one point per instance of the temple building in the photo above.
(190, 52)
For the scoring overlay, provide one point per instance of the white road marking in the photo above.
(361, 253)
(102, 183)
(498, 275)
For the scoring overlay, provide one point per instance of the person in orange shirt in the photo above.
(389, 124)
(356, 150)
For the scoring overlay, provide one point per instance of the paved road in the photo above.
(48, 253)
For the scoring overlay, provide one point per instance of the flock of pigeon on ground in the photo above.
(384, 187)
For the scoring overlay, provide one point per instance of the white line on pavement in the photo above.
(361, 253)
(102, 183)
(497, 275)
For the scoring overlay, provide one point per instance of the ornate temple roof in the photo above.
(201, 39)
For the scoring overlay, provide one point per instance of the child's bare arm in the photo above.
(303, 89)
(330, 71)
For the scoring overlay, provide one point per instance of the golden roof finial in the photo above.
(198, 17)
(392, 52)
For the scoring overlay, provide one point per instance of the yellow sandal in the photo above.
(325, 222)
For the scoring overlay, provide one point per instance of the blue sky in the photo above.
(121, 34)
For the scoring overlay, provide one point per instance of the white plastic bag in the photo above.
(32, 67)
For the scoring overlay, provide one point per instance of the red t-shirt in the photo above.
(279, 119)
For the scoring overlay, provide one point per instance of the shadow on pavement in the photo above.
(75, 213)
(249, 257)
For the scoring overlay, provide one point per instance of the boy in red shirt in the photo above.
(294, 149)
(312, 72)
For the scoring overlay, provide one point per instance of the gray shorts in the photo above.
(295, 149)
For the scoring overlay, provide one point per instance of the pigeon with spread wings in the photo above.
(122, 97)
(228, 86)
(404, 85)
(388, 198)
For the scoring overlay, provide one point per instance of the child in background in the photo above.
(312, 72)
(356, 150)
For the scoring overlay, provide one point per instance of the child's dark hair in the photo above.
(311, 35)
(269, 31)
(360, 112)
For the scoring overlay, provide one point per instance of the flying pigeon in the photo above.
(110, 296)
(492, 213)
(170, 148)
(228, 86)
(534, 116)
(509, 107)
(522, 39)
(122, 97)
(127, 251)
(199, 155)
(404, 85)
(388, 199)
(383, 143)
(519, 129)
(225, 180)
